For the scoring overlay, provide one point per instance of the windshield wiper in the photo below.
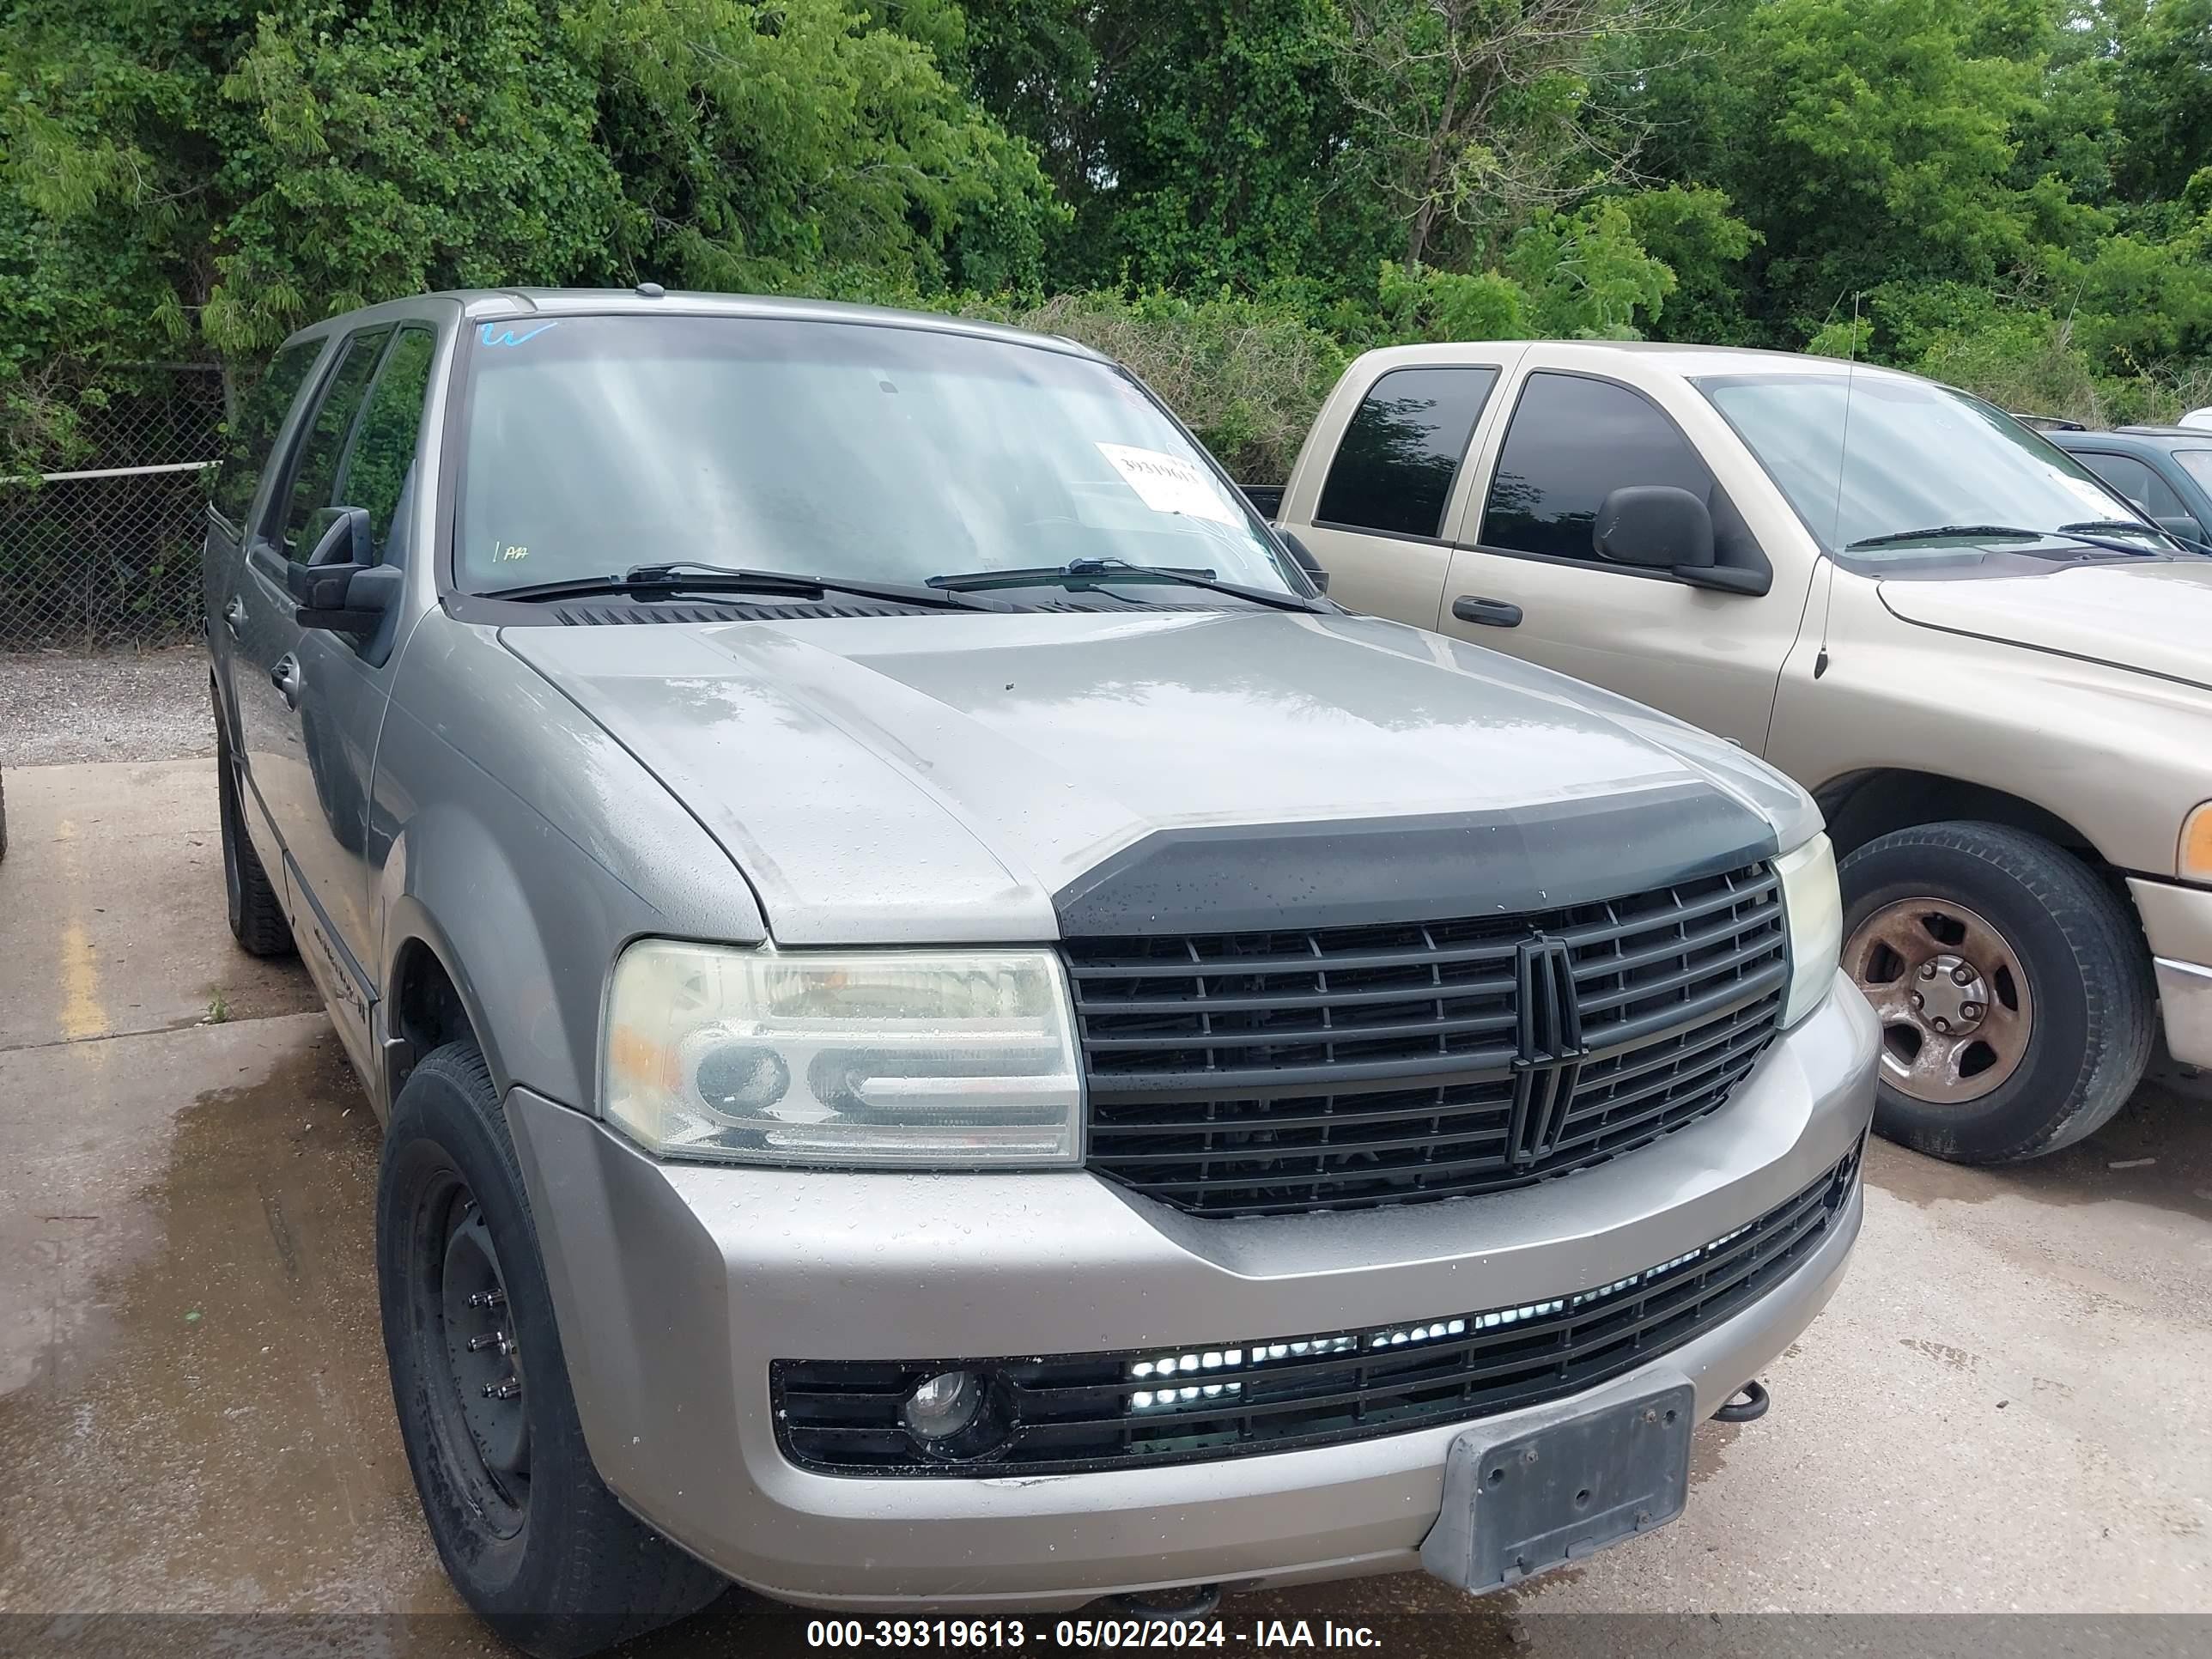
(1940, 531)
(688, 576)
(2134, 529)
(1084, 572)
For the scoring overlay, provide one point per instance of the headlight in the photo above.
(2196, 860)
(886, 1059)
(1813, 911)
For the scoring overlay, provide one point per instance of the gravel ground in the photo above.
(57, 706)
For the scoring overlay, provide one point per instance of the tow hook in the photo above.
(1747, 1405)
(1171, 1606)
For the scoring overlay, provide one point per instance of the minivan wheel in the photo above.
(2015, 996)
(528, 1532)
(256, 918)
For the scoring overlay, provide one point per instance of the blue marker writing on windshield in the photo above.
(507, 337)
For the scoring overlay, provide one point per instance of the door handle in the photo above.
(1491, 613)
(234, 616)
(285, 677)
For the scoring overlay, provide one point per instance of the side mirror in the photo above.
(2183, 525)
(1306, 561)
(338, 589)
(1660, 527)
(1656, 527)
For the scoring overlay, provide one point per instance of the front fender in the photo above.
(526, 848)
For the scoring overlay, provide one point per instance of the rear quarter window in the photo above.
(1394, 468)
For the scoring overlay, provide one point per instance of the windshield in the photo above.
(856, 450)
(1873, 455)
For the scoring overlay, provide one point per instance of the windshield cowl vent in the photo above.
(618, 615)
(598, 614)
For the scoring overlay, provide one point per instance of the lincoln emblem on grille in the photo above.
(1548, 1051)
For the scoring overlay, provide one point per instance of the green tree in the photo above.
(1477, 115)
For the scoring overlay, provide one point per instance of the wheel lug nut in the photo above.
(1962, 975)
(1970, 1009)
(1928, 972)
(1918, 1001)
(1942, 1023)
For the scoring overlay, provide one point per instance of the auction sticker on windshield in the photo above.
(1167, 483)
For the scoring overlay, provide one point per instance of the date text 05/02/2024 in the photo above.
(1136, 1631)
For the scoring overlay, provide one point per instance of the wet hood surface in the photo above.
(2156, 616)
(943, 778)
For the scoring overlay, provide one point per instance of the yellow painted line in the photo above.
(82, 1016)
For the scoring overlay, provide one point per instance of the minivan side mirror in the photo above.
(2183, 525)
(1656, 526)
(1306, 561)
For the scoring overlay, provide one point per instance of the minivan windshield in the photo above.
(1868, 460)
(593, 445)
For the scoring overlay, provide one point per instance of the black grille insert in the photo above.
(1077, 1412)
(1269, 1073)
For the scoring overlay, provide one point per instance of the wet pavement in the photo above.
(2002, 1410)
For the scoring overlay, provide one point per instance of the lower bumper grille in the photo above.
(1079, 1412)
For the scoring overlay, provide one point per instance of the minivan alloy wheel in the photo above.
(1956, 1009)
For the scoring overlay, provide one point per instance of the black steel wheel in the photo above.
(528, 1532)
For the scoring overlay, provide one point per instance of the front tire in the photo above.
(528, 1532)
(2016, 996)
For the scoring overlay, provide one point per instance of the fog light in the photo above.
(942, 1407)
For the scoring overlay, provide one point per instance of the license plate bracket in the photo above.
(1518, 1505)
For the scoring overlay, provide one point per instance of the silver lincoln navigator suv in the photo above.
(949, 1028)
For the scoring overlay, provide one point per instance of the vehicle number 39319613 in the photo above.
(1133, 1632)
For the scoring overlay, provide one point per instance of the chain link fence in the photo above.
(107, 553)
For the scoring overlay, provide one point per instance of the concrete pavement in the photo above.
(2002, 1410)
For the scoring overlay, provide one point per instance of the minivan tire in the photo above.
(256, 916)
(544, 1552)
(2094, 1004)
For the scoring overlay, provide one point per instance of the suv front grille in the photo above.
(1075, 1412)
(1239, 1074)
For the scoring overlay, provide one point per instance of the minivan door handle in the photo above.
(234, 616)
(285, 677)
(1491, 613)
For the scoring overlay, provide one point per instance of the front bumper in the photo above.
(2177, 922)
(676, 1285)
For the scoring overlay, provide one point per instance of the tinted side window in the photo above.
(322, 447)
(2135, 480)
(378, 465)
(1572, 443)
(1393, 469)
(252, 433)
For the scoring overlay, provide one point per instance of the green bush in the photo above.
(1246, 375)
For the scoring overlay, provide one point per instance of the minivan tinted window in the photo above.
(1393, 469)
(1572, 442)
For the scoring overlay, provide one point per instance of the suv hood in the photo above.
(2153, 616)
(960, 779)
